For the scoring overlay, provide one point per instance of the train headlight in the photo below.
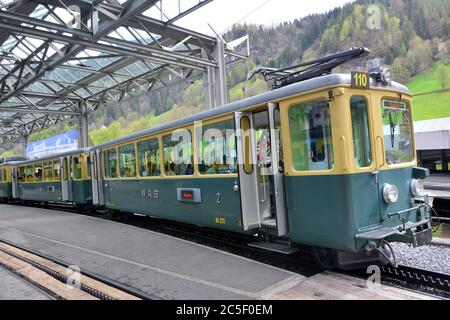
(417, 188)
(386, 76)
(390, 193)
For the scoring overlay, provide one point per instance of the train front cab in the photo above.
(351, 181)
(63, 178)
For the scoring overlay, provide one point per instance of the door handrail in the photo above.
(383, 151)
(344, 146)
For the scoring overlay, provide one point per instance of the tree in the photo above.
(443, 76)
(7, 154)
(401, 72)
(443, 52)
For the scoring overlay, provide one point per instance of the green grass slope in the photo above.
(427, 103)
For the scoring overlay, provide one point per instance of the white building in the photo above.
(433, 143)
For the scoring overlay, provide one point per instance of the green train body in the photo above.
(51, 192)
(350, 210)
(5, 191)
(340, 181)
(139, 197)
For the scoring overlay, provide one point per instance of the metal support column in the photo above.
(25, 141)
(208, 84)
(83, 141)
(220, 74)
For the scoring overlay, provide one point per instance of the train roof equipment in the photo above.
(312, 69)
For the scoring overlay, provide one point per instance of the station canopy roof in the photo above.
(57, 55)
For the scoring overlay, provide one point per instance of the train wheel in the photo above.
(124, 216)
(111, 214)
(89, 208)
(325, 257)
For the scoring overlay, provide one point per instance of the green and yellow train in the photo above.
(327, 162)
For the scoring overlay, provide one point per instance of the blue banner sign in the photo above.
(67, 141)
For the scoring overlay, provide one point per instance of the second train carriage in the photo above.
(6, 181)
(54, 179)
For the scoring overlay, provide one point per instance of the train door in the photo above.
(15, 182)
(246, 146)
(109, 171)
(94, 177)
(260, 174)
(365, 156)
(98, 162)
(67, 179)
(65, 174)
(97, 179)
(277, 166)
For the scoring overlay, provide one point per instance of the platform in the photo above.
(164, 266)
(154, 263)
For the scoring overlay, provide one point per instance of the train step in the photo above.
(271, 223)
(273, 246)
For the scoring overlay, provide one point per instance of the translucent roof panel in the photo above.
(48, 61)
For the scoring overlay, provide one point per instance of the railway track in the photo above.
(301, 262)
(60, 280)
(418, 279)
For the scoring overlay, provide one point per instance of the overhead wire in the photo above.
(247, 15)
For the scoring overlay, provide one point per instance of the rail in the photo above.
(422, 280)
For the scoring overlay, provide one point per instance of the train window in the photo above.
(149, 163)
(217, 149)
(245, 127)
(38, 172)
(178, 155)
(361, 135)
(56, 170)
(94, 162)
(77, 168)
(278, 139)
(127, 161)
(2, 173)
(21, 174)
(310, 133)
(111, 163)
(48, 171)
(88, 165)
(397, 130)
(29, 173)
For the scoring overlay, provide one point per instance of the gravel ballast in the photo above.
(433, 257)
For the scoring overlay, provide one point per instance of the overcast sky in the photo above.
(222, 14)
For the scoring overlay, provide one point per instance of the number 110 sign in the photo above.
(360, 80)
